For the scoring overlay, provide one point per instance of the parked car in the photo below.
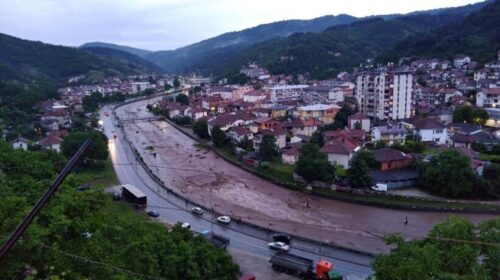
(186, 225)
(224, 220)
(380, 187)
(280, 237)
(197, 210)
(153, 213)
(280, 246)
(84, 187)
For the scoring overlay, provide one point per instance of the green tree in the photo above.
(340, 120)
(357, 174)
(200, 127)
(177, 83)
(268, 149)
(218, 137)
(449, 174)
(480, 116)
(318, 138)
(313, 165)
(182, 98)
(246, 144)
(97, 153)
(449, 252)
(91, 102)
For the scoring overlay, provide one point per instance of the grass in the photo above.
(430, 151)
(99, 178)
(492, 158)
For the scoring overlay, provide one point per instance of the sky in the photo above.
(169, 24)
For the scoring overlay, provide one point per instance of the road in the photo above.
(245, 238)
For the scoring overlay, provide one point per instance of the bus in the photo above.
(134, 195)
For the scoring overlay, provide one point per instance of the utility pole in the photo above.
(21, 228)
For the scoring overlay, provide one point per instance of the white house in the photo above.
(360, 120)
(254, 96)
(51, 142)
(390, 133)
(340, 151)
(488, 97)
(238, 133)
(428, 130)
(290, 154)
(20, 143)
(461, 60)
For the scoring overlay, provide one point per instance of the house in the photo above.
(341, 150)
(290, 154)
(50, 142)
(321, 112)
(278, 133)
(390, 158)
(20, 143)
(443, 115)
(488, 97)
(196, 113)
(307, 128)
(254, 96)
(390, 133)
(211, 103)
(238, 133)
(279, 111)
(223, 92)
(226, 121)
(428, 130)
(358, 121)
(62, 117)
(356, 134)
(461, 60)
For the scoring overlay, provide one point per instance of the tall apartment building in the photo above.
(385, 95)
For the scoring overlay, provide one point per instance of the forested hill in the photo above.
(33, 62)
(478, 35)
(135, 51)
(124, 57)
(336, 49)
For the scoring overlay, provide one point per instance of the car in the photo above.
(84, 187)
(186, 225)
(197, 211)
(153, 213)
(117, 196)
(280, 246)
(280, 237)
(224, 220)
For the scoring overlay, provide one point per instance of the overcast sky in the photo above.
(169, 24)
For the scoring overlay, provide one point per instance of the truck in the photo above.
(303, 267)
(217, 240)
(380, 187)
(134, 195)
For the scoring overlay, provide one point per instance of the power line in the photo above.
(86, 260)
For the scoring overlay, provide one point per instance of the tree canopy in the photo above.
(97, 153)
(87, 224)
(470, 114)
(182, 98)
(268, 149)
(218, 137)
(200, 127)
(313, 165)
(449, 173)
(449, 252)
(357, 174)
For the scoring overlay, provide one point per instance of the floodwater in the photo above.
(214, 183)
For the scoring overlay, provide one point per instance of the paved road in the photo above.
(174, 209)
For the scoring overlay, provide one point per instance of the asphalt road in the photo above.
(243, 237)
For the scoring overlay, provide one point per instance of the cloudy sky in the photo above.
(168, 24)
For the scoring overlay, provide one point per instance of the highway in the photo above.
(243, 237)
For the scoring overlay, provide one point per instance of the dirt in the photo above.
(215, 183)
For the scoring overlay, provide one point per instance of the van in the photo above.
(380, 187)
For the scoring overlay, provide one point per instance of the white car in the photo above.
(186, 225)
(280, 246)
(197, 210)
(224, 220)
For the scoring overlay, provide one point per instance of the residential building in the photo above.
(321, 112)
(254, 96)
(138, 87)
(51, 142)
(20, 143)
(286, 92)
(304, 127)
(390, 158)
(385, 95)
(488, 97)
(358, 120)
(461, 60)
(341, 150)
(290, 154)
(390, 133)
(428, 130)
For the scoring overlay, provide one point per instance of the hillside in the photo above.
(135, 51)
(478, 35)
(34, 62)
(326, 53)
(123, 57)
(187, 58)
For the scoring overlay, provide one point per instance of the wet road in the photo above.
(174, 209)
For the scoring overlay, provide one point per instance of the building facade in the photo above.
(385, 95)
